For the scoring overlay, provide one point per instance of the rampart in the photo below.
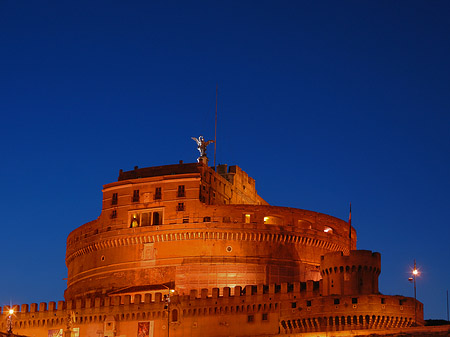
(262, 309)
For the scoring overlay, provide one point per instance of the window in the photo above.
(147, 217)
(180, 207)
(246, 218)
(113, 214)
(354, 300)
(308, 303)
(181, 193)
(294, 305)
(185, 220)
(158, 194)
(114, 199)
(207, 219)
(134, 221)
(336, 301)
(136, 196)
(156, 218)
(383, 301)
(265, 317)
(175, 315)
(250, 318)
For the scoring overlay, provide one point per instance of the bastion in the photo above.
(188, 249)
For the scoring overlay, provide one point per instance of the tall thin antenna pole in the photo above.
(215, 129)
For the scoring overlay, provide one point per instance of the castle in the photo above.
(189, 249)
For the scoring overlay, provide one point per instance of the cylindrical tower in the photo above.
(189, 227)
(354, 274)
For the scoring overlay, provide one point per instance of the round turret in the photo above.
(354, 274)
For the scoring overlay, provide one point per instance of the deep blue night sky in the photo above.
(322, 102)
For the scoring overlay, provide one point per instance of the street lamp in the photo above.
(167, 306)
(415, 273)
(9, 321)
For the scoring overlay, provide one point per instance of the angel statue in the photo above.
(201, 145)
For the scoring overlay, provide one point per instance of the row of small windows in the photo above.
(157, 196)
(338, 301)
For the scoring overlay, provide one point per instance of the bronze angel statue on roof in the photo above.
(201, 145)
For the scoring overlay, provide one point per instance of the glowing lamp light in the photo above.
(415, 272)
(326, 230)
(11, 311)
(266, 218)
(172, 290)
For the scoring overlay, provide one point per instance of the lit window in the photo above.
(247, 218)
(134, 221)
(266, 219)
(145, 218)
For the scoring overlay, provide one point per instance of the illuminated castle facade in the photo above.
(187, 250)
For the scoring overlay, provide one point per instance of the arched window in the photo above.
(175, 315)
(156, 218)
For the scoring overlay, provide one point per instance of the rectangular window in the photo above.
(113, 214)
(185, 220)
(308, 303)
(336, 301)
(207, 219)
(294, 305)
(144, 218)
(158, 194)
(383, 301)
(136, 196)
(250, 318)
(246, 218)
(265, 317)
(180, 207)
(114, 199)
(354, 300)
(181, 193)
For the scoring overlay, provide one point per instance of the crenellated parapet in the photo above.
(297, 307)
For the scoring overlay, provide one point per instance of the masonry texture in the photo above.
(183, 250)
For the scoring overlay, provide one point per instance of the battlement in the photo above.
(242, 294)
(297, 307)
